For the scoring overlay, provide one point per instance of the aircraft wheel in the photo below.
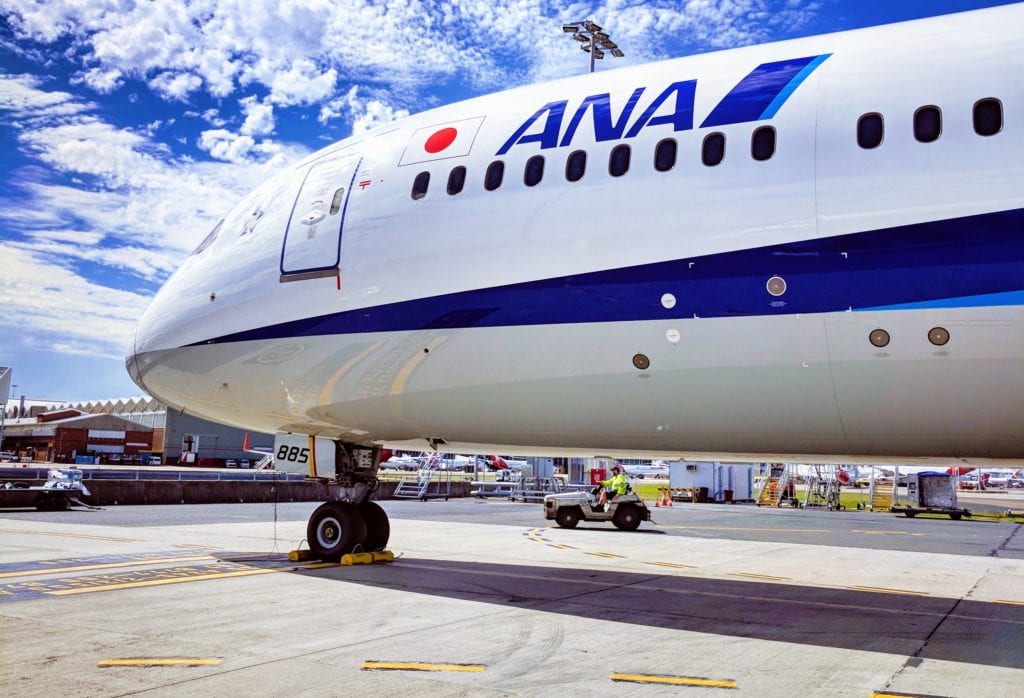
(627, 518)
(378, 528)
(334, 529)
(567, 517)
(955, 517)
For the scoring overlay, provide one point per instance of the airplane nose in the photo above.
(131, 362)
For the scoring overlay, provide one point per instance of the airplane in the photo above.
(807, 251)
(655, 469)
(1001, 478)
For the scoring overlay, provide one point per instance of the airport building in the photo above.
(54, 431)
(71, 436)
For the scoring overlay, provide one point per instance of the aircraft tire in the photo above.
(378, 528)
(567, 517)
(627, 518)
(334, 529)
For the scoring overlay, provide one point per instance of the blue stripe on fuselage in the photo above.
(761, 93)
(936, 263)
(980, 301)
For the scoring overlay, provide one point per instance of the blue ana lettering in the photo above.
(681, 117)
(548, 138)
(604, 128)
(756, 97)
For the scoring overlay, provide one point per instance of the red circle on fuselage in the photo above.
(440, 140)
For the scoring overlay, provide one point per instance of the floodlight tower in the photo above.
(590, 37)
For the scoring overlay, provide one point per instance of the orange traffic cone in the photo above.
(666, 500)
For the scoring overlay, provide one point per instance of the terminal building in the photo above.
(128, 431)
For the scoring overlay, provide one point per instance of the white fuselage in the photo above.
(332, 302)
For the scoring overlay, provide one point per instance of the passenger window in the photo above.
(534, 171)
(762, 143)
(713, 151)
(618, 162)
(339, 196)
(576, 165)
(420, 184)
(988, 117)
(927, 124)
(495, 173)
(665, 155)
(870, 130)
(456, 180)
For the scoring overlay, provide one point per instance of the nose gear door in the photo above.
(312, 240)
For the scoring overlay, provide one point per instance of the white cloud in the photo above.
(103, 81)
(176, 86)
(300, 52)
(20, 93)
(365, 114)
(225, 145)
(61, 310)
(259, 117)
(135, 193)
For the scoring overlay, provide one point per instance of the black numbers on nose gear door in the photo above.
(293, 454)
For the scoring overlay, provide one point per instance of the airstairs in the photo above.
(882, 492)
(774, 482)
(418, 486)
(823, 488)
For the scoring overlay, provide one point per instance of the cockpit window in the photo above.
(208, 240)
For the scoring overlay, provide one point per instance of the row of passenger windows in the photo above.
(988, 121)
(762, 147)
(987, 117)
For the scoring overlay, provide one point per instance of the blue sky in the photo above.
(128, 128)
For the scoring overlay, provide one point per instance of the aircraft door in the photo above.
(312, 240)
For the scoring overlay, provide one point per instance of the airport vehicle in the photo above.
(808, 251)
(61, 489)
(625, 511)
(931, 493)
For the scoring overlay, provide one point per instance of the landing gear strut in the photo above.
(351, 523)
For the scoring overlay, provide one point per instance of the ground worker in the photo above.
(615, 486)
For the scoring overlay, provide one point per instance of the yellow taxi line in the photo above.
(675, 680)
(160, 582)
(886, 590)
(421, 666)
(160, 661)
(754, 575)
(68, 535)
(741, 528)
(104, 566)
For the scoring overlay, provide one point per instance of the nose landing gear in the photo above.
(350, 523)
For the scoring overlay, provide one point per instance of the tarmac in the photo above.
(487, 598)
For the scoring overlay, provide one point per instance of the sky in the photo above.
(128, 128)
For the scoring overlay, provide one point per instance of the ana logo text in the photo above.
(756, 97)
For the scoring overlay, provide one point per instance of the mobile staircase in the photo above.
(774, 483)
(823, 488)
(882, 491)
(418, 486)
